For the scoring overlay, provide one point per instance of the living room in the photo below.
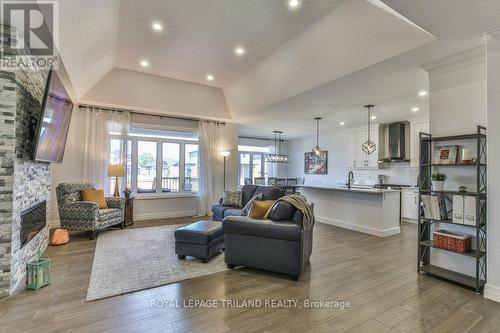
(279, 165)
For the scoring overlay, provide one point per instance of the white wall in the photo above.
(457, 101)
(130, 90)
(492, 289)
(336, 144)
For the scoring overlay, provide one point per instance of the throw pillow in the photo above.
(245, 209)
(232, 199)
(96, 196)
(259, 209)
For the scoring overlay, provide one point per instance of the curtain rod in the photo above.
(82, 106)
(263, 139)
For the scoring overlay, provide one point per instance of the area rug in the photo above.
(130, 260)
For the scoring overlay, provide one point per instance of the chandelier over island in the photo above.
(369, 146)
(278, 156)
(317, 151)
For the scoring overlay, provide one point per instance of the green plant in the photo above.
(438, 177)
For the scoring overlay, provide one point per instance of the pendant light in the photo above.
(369, 146)
(277, 157)
(316, 149)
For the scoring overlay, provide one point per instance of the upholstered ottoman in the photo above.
(202, 239)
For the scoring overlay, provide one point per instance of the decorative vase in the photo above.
(437, 185)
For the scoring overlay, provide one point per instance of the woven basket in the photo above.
(444, 239)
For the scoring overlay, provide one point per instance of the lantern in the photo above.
(38, 272)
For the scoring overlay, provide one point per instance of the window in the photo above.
(146, 166)
(158, 160)
(252, 163)
(191, 168)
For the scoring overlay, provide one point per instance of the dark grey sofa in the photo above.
(268, 192)
(280, 244)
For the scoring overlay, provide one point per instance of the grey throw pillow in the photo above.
(232, 199)
(244, 211)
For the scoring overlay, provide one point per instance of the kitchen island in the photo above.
(368, 210)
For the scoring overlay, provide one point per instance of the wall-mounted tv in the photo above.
(53, 125)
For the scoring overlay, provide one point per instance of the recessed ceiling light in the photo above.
(157, 26)
(210, 77)
(293, 4)
(374, 117)
(422, 93)
(144, 63)
(239, 50)
(342, 123)
(415, 109)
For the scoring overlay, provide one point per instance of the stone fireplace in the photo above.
(33, 220)
(24, 184)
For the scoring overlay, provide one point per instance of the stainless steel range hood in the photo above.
(396, 142)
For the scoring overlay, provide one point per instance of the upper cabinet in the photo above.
(415, 129)
(355, 156)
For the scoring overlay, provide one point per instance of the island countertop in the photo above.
(352, 189)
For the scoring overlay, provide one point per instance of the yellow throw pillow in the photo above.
(259, 209)
(96, 196)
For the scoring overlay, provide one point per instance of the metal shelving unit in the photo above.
(478, 281)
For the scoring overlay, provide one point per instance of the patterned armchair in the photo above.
(79, 215)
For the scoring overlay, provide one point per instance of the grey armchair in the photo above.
(79, 215)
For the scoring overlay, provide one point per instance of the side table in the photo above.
(129, 212)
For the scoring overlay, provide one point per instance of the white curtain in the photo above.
(211, 167)
(99, 127)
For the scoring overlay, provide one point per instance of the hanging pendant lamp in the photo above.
(277, 157)
(317, 151)
(369, 146)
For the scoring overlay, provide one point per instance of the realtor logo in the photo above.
(29, 32)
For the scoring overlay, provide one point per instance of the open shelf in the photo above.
(474, 136)
(449, 275)
(448, 221)
(425, 225)
(453, 165)
(472, 253)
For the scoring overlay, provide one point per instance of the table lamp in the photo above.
(116, 171)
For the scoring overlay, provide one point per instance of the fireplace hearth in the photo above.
(33, 220)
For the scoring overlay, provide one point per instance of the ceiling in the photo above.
(327, 58)
(200, 36)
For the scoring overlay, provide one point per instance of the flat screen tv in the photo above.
(53, 125)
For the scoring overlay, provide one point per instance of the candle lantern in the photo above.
(38, 272)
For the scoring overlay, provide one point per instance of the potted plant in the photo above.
(127, 191)
(438, 179)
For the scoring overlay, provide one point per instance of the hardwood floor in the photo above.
(376, 275)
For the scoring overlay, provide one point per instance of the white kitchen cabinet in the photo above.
(409, 204)
(355, 156)
(415, 129)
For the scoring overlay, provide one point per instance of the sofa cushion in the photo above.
(218, 210)
(282, 211)
(248, 205)
(232, 199)
(232, 212)
(269, 192)
(260, 209)
(248, 192)
(96, 196)
(201, 232)
(262, 228)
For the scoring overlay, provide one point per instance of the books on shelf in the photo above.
(434, 207)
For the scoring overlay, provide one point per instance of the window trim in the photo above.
(159, 160)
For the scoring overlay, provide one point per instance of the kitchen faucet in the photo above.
(350, 179)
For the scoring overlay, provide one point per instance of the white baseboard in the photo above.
(492, 292)
(165, 215)
(360, 228)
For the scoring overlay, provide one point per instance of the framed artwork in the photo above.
(315, 165)
(445, 154)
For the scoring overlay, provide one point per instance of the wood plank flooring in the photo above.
(376, 275)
